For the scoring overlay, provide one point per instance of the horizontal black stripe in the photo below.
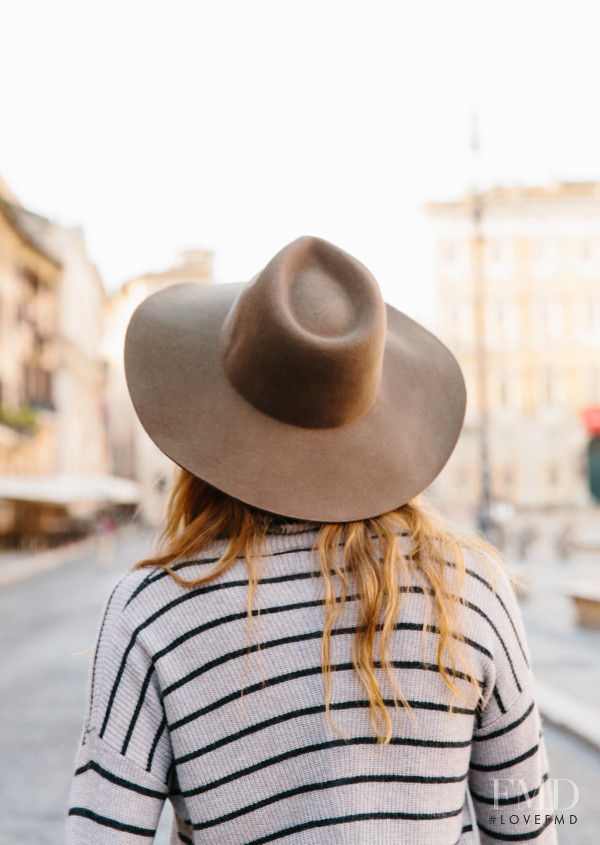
(293, 676)
(303, 790)
(127, 784)
(516, 837)
(304, 711)
(261, 554)
(506, 729)
(349, 819)
(199, 629)
(235, 617)
(516, 799)
(479, 768)
(154, 576)
(185, 839)
(298, 638)
(340, 743)
(222, 585)
(112, 823)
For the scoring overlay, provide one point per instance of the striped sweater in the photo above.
(166, 719)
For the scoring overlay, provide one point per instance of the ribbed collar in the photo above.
(284, 525)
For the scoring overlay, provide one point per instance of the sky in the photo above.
(239, 126)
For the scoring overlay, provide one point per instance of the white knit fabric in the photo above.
(166, 718)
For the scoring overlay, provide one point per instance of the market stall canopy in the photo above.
(70, 489)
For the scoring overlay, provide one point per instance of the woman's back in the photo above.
(266, 765)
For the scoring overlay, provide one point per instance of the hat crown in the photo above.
(304, 341)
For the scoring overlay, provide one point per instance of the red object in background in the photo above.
(591, 419)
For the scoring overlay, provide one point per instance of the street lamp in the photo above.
(484, 509)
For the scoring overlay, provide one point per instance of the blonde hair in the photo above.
(372, 562)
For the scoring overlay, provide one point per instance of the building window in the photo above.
(592, 393)
(553, 476)
(503, 392)
(499, 258)
(589, 257)
(460, 323)
(551, 388)
(507, 388)
(37, 386)
(586, 250)
(502, 328)
(547, 321)
(449, 252)
(544, 257)
(588, 321)
(508, 479)
(32, 278)
(454, 259)
(462, 482)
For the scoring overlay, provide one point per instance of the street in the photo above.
(48, 621)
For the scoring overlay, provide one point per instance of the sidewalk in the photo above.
(565, 656)
(18, 566)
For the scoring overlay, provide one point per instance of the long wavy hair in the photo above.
(372, 564)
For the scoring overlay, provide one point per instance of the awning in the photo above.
(68, 489)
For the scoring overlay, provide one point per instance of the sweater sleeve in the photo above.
(122, 766)
(508, 777)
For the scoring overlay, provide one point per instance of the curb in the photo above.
(37, 563)
(569, 714)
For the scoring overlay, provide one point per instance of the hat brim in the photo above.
(189, 408)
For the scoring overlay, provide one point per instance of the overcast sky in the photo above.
(238, 125)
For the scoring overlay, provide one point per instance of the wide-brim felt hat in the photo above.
(300, 392)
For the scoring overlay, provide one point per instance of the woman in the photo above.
(311, 657)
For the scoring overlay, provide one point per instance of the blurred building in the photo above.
(538, 312)
(133, 454)
(29, 347)
(52, 376)
(80, 372)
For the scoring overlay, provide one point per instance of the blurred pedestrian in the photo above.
(565, 541)
(310, 656)
(106, 540)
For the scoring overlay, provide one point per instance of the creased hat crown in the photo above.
(304, 341)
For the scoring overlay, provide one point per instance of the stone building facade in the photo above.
(518, 297)
(52, 376)
(29, 349)
(79, 378)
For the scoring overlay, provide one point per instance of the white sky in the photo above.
(238, 125)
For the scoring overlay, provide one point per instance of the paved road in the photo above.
(43, 688)
(48, 619)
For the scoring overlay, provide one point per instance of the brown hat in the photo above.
(301, 392)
